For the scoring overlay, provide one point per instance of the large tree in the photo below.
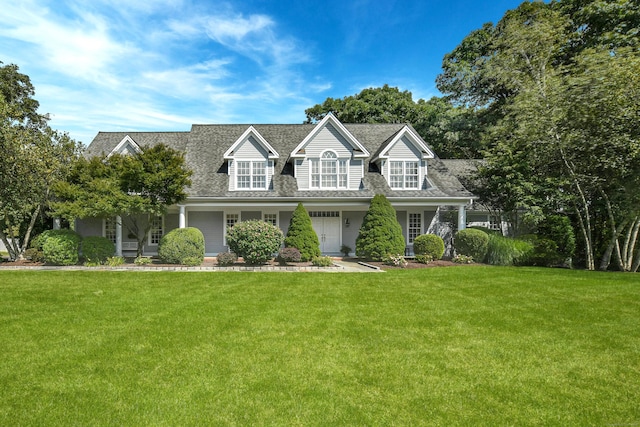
(34, 158)
(136, 187)
(566, 130)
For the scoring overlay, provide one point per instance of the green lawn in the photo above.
(443, 346)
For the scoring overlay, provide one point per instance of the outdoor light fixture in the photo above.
(346, 222)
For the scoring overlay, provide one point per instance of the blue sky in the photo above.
(162, 65)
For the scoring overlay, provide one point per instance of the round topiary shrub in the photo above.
(256, 241)
(60, 247)
(380, 233)
(96, 249)
(473, 243)
(429, 244)
(182, 246)
(301, 235)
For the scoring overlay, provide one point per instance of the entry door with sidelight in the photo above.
(327, 226)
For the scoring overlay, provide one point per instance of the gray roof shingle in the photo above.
(205, 146)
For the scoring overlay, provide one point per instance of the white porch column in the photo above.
(462, 217)
(118, 236)
(56, 223)
(182, 219)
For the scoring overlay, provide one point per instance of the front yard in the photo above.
(471, 345)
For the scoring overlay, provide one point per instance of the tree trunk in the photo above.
(630, 243)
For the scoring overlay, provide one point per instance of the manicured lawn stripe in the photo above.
(443, 346)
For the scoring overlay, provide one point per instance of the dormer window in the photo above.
(404, 175)
(251, 175)
(329, 171)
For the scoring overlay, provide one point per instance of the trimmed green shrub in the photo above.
(487, 230)
(429, 244)
(96, 249)
(288, 255)
(380, 233)
(34, 255)
(226, 258)
(256, 241)
(301, 235)
(192, 261)
(60, 247)
(322, 261)
(471, 243)
(505, 251)
(181, 245)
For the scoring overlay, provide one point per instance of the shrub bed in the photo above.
(60, 247)
(96, 249)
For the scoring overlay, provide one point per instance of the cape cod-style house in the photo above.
(244, 172)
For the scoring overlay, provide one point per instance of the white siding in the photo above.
(250, 149)
(232, 175)
(403, 149)
(328, 139)
(302, 173)
(355, 174)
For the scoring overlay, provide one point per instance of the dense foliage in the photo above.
(380, 234)
(560, 82)
(429, 244)
(96, 249)
(256, 241)
(182, 246)
(301, 235)
(226, 258)
(138, 187)
(473, 243)
(507, 251)
(60, 247)
(34, 158)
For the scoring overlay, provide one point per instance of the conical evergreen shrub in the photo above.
(380, 233)
(301, 235)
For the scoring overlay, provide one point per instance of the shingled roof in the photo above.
(205, 146)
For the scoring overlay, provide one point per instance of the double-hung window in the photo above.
(329, 171)
(404, 175)
(110, 229)
(156, 231)
(251, 175)
(415, 226)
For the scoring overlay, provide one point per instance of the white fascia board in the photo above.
(126, 140)
(416, 140)
(273, 154)
(340, 127)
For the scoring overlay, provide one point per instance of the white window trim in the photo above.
(421, 230)
(268, 166)
(387, 170)
(264, 213)
(337, 159)
(224, 224)
(104, 228)
(151, 229)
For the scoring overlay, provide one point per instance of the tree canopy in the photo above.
(561, 82)
(138, 187)
(34, 158)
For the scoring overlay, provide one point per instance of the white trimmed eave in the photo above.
(272, 153)
(358, 149)
(126, 140)
(417, 142)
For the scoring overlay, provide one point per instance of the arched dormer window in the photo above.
(329, 171)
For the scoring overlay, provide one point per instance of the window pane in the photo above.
(415, 226)
(315, 181)
(243, 168)
(396, 168)
(396, 182)
(343, 181)
(259, 181)
(329, 167)
(156, 230)
(411, 181)
(244, 182)
(110, 229)
(329, 181)
(271, 219)
(259, 168)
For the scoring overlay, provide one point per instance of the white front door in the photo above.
(328, 231)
